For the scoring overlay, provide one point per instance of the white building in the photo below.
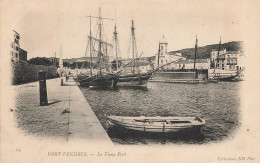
(163, 57)
(16, 52)
(227, 60)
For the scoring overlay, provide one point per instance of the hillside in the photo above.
(204, 51)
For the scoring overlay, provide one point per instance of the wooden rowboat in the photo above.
(156, 124)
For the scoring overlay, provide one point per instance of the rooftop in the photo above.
(192, 61)
(232, 52)
(222, 56)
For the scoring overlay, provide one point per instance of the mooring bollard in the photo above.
(43, 88)
(61, 82)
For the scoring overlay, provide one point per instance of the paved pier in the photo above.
(68, 115)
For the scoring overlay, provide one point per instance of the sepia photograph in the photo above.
(129, 81)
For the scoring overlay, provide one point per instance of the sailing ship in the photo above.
(134, 77)
(98, 47)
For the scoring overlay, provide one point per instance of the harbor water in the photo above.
(217, 103)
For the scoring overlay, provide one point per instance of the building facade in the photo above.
(227, 60)
(189, 64)
(17, 53)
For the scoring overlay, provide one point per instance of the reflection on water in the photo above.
(143, 88)
(217, 103)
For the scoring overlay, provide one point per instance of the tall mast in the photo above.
(195, 57)
(133, 33)
(99, 40)
(158, 62)
(100, 43)
(134, 48)
(219, 46)
(116, 46)
(133, 51)
(90, 45)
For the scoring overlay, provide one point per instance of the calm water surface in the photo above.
(218, 104)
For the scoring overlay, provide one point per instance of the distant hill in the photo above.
(204, 51)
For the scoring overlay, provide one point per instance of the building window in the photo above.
(166, 61)
(161, 61)
(161, 47)
(16, 55)
(230, 67)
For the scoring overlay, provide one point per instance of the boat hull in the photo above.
(222, 75)
(98, 81)
(157, 124)
(134, 80)
(230, 78)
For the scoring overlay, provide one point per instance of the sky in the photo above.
(46, 26)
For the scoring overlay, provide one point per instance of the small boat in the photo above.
(156, 124)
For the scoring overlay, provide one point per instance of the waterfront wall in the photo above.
(23, 72)
(173, 75)
(180, 74)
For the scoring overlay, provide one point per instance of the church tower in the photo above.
(162, 57)
(163, 47)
